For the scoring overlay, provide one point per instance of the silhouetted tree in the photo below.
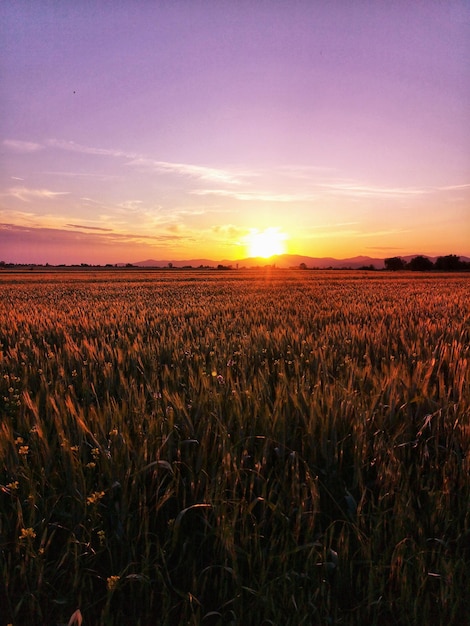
(449, 263)
(394, 263)
(420, 264)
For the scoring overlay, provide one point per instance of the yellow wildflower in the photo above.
(27, 533)
(111, 582)
(95, 497)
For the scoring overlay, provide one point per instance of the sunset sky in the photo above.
(179, 130)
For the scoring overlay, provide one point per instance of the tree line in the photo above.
(420, 263)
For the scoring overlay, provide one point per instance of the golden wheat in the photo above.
(238, 447)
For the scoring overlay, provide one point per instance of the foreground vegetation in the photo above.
(247, 448)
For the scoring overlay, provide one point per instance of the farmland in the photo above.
(242, 447)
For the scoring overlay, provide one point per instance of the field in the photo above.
(240, 447)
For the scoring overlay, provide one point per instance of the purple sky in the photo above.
(168, 130)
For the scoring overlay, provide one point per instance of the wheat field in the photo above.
(243, 447)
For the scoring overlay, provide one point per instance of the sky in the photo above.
(181, 129)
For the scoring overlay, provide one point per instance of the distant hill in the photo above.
(184, 263)
(294, 260)
(281, 261)
(284, 261)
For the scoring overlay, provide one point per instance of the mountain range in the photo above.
(283, 261)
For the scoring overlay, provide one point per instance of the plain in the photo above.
(240, 447)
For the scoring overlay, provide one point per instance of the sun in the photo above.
(266, 243)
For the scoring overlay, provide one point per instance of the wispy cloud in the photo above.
(185, 169)
(199, 210)
(98, 228)
(351, 230)
(335, 225)
(330, 234)
(356, 189)
(42, 220)
(24, 218)
(29, 244)
(71, 146)
(229, 231)
(92, 201)
(307, 184)
(131, 205)
(138, 160)
(393, 248)
(22, 146)
(454, 187)
(303, 172)
(64, 235)
(27, 195)
(94, 175)
(296, 184)
(259, 196)
(385, 232)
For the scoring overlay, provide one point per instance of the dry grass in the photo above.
(234, 448)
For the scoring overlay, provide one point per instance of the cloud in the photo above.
(303, 184)
(108, 233)
(137, 160)
(56, 236)
(18, 217)
(71, 146)
(92, 201)
(32, 220)
(303, 172)
(27, 195)
(331, 234)
(82, 175)
(336, 225)
(393, 248)
(185, 169)
(382, 233)
(229, 231)
(333, 231)
(89, 227)
(310, 189)
(131, 205)
(356, 189)
(454, 187)
(29, 244)
(258, 196)
(22, 146)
